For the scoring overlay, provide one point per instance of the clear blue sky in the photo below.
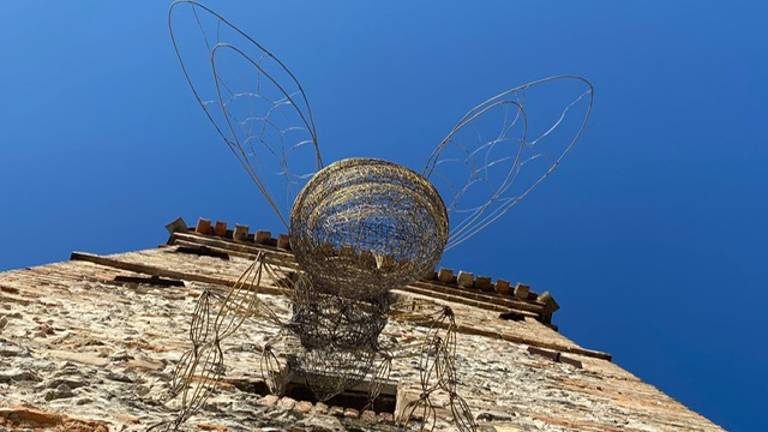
(652, 236)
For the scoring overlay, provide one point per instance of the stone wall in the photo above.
(81, 352)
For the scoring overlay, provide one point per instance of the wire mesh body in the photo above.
(330, 321)
(361, 227)
(330, 371)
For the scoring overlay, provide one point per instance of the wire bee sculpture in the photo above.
(359, 227)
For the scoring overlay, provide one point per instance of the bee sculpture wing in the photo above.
(252, 99)
(502, 149)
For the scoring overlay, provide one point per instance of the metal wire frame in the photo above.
(199, 370)
(243, 131)
(322, 320)
(327, 370)
(359, 228)
(260, 132)
(437, 373)
(362, 227)
(512, 145)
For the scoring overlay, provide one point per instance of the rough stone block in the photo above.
(368, 416)
(502, 287)
(268, 400)
(521, 291)
(13, 376)
(22, 418)
(483, 283)
(549, 301)
(144, 364)
(240, 233)
(320, 408)
(445, 275)
(336, 411)
(287, 403)
(465, 279)
(284, 242)
(220, 229)
(262, 237)
(178, 225)
(128, 419)
(80, 357)
(303, 407)
(203, 226)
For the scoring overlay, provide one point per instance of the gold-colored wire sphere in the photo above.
(361, 227)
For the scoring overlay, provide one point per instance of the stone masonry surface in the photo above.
(80, 352)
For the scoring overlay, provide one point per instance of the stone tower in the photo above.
(91, 344)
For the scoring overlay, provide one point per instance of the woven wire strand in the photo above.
(362, 227)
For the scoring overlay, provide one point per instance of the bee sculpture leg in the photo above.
(215, 318)
(437, 371)
(380, 377)
(273, 371)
